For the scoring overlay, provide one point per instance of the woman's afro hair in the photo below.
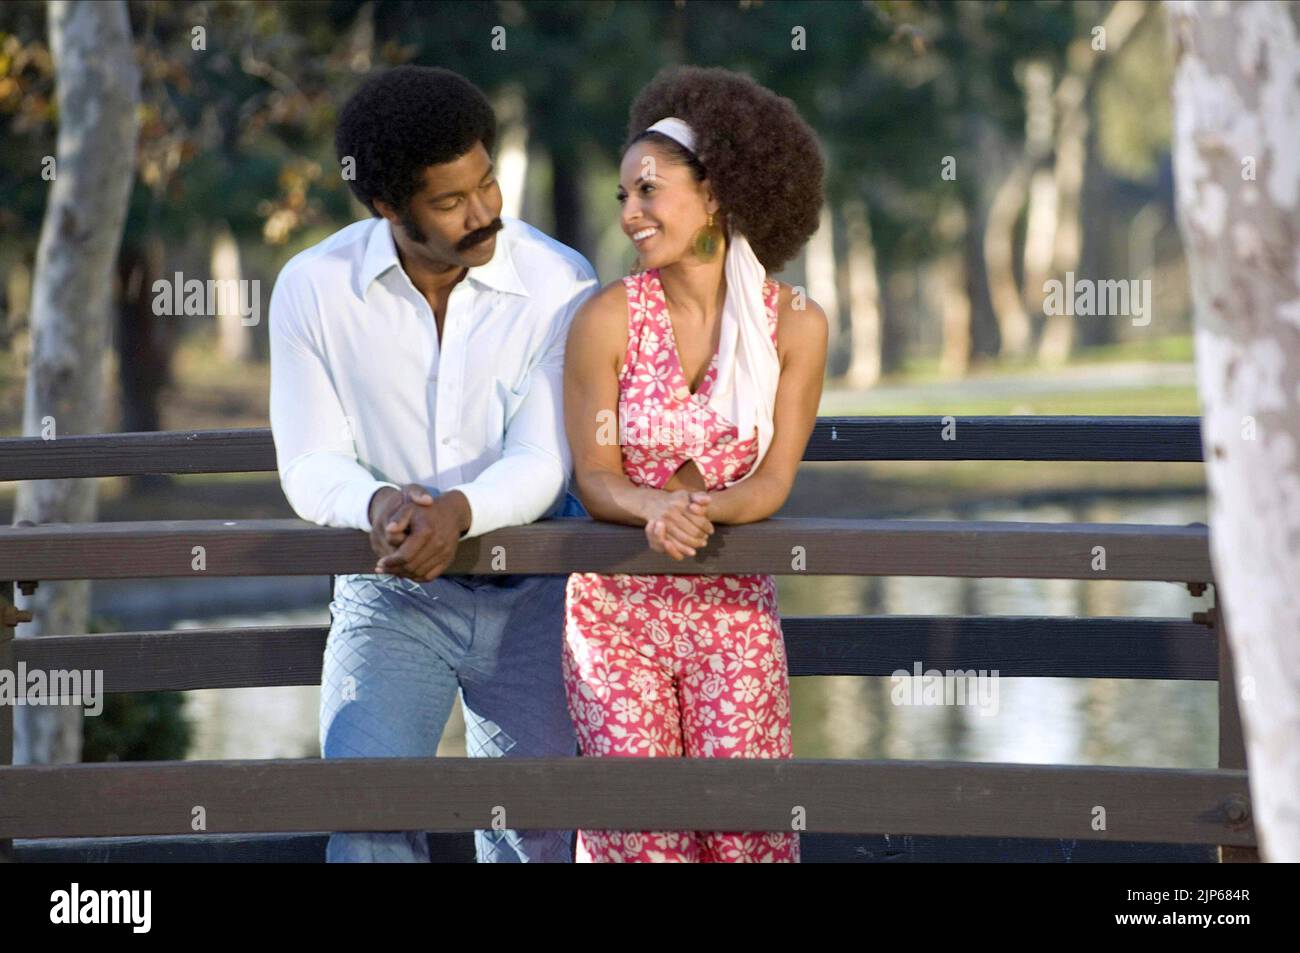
(762, 159)
(407, 118)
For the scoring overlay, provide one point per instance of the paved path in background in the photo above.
(1080, 379)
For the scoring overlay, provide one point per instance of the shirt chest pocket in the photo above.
(502, 405)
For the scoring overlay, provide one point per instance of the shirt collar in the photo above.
(499, 273)
(380, 255)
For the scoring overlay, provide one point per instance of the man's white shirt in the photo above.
(364, 395)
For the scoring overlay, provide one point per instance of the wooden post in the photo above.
(1232, 741)
(8, 614)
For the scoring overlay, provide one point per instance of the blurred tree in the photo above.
(1043, 134)
(97, 89)
(1072, 105)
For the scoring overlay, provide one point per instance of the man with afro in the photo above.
(416, 394)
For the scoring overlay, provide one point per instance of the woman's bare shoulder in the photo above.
(602, 319)
(797, 315)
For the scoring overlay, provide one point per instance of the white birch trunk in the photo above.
(999, 241)
(512, 150)
(819, 271)
(865, 325)
(234, 335)
(1237, 164)
(98, 88)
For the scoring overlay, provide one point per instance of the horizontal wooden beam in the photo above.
(834, 438)
(458, 794)
(197, 548)
(1044, 646)
(1131, 439)
(248, 450)
(814, 848)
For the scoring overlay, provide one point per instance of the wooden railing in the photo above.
(1013, 809)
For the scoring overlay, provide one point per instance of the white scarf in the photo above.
(749, 369)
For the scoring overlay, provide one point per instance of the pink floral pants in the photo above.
(678, 666)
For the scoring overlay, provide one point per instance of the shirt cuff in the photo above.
(482, 517)
(356, 501)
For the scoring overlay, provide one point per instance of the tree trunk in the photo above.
(143, 348)
(819, 273)
(1072, 103)
(1040, 212)
(1236, 126)
(948, 277)
(1097, 258)
(234, 336)
(1040, 229)
(566, 200)
(977, 195)
(512, 149)
(1143, 231)
(999, 256)
(865, 331)
(97, 88)
(946, 282)
(1071, 140)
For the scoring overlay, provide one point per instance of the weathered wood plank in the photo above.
(1045, 646)
(139, 550)
(833, 438)
(459, 848)
(1006, 438)
(452, 794)
(130, 454)
(1014, 646)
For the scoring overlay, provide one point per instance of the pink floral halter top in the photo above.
(663, 424)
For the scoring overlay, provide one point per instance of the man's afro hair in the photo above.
(407, 118)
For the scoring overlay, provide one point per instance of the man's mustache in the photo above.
(482, 235)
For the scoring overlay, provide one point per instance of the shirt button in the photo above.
(446, 440)
(682, 393)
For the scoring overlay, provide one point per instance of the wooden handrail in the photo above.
(456, 794)
(925, 798)
(196, 548)
(834, 438)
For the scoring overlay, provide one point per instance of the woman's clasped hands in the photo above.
(678, 524)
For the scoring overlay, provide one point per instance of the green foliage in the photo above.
(242, 130)
(140, 726)
(1134, 112)
(145, 726)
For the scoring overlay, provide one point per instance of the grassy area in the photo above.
(212, 393)
(1172, 349)
(1175, 349)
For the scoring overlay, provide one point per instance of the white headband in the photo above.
(677, 130)
(744, 389)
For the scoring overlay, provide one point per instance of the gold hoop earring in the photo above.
(707, 241)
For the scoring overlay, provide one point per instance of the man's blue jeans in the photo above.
(398, 652)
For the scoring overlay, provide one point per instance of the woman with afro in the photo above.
(691, 388)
